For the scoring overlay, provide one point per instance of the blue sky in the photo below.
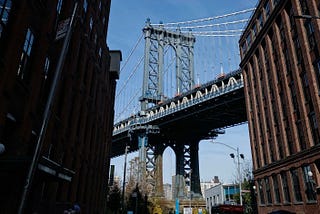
(127, 18)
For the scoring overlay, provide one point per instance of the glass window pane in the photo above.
(85, 5)
(296, 185)
(309, 183)
(59, 5)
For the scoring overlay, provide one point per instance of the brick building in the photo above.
(281, 66)
(73, 162)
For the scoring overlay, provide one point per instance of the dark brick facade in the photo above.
(74, 160)
(281, 66)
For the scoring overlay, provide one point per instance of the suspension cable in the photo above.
(218, 31)
(210, 25)
(206, 19)
(130, 76)
(218, 35)
(128, 104)
(131, 52)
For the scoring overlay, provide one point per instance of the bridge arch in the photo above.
(156, 40)
(169, 163)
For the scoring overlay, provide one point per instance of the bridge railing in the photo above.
(211, 90)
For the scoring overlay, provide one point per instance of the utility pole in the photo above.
(239, 174)
(46, 115)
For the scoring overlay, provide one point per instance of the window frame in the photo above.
(26, 54)
(309, 184)
(59, 6)
(296, 186)
(5, 9)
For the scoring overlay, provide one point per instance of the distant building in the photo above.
(134, 164)
(220, 194)
(280, 61)
(74, 155)
(178, 185)
(167, 189)
(208, 184)
(117, 181)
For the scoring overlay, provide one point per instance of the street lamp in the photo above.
(238, 155)
(124, 176)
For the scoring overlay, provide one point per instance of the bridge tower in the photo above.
(150, 149)
(156, 38)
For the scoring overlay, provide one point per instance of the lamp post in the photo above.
(124, 176)
(190, 192)
(238, 165)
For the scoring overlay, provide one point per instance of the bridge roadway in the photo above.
(201, 113)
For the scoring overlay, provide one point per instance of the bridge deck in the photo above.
(195, 115)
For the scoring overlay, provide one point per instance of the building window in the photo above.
(59, 6)
(304, 7)
(310, 32)
(254, 31)
(298, 49)
(267, 9)
(91, 23)
(268, 191)
(305, 83)
(248, 40)
(309, 183)
(5, 7)
(275, 2)
(100, 52)
(260, 21)
(314, 127)
(244, 48)
(285, 187)
(85, 5)
(26, 52)
(276, 188)
(261, 193)
(317, 71)
(296, 185)
(95, 38)
(46, 68)
(301, 134)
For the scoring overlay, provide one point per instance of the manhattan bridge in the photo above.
(182, 85)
